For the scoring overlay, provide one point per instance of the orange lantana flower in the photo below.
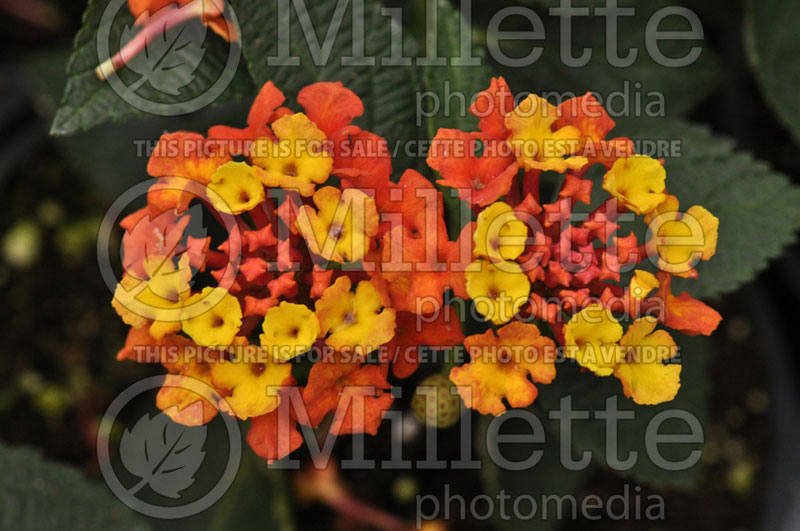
(685, 313)
(479, 180)
(505, 366)
(414, 333)
(333, 381)
(183, 163)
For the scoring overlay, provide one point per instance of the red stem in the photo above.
(530, 184)
(260, 216)
(156, 26)
(216, 259)
(513, 197)
(612, 213)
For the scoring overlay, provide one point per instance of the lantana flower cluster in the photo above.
(327, 259)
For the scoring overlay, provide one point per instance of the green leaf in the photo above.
(770, 30)
(88, 101)
(643, 88)
(590, 393)
(756, 206)
(125, 146)
(389, 92)
(39, 494)
(255, 486)
(454, 85)
(259, 497)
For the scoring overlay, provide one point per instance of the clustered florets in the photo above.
(325, 253)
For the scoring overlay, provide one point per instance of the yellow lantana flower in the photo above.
(644, 376)
(157, 300)
(498, 293)
(235, 188)
(642, 283)
(681, 239)
(638, 182)
(297, 160)
(289, 330)
(591, 338)
(341, 230)
(212, 317)
(253, 384)
(535, 143)
(499, 234)
(358, 321)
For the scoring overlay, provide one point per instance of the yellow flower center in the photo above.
(643, 374)
(341, 229)
(638, 182)
(534, 142)
(498, 291)
(297, 160)
(156, 300)
(591, 338)
(356, 321)
(289, 330)
(235, 188)
(252, 384)
(682, 239)
(212, 317)
(499, 234)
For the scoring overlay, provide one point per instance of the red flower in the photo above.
(332, 380)
(491, 107)
(158, 236)
(212, 13)
(413, 332)
(331, 106)
(479, 180)
(594, 123)
(271, 440)
(178, 160)
(266, 109)
(684, 312)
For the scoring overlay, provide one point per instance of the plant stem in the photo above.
(158, 25)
